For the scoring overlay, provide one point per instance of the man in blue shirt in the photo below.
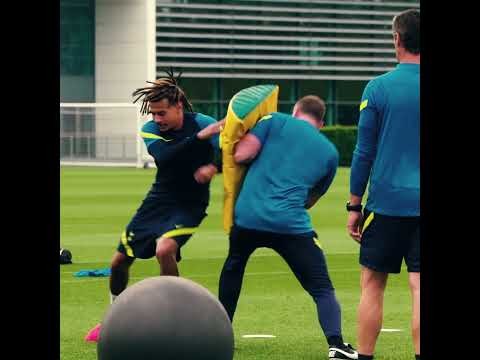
(388, 153)
(185, 148)
(271, 209)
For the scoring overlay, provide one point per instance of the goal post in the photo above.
(102, 134)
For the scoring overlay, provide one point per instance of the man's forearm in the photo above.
(359, 174)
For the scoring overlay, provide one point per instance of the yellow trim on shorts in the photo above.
(178, 232)
(318, 243)
(367, 221)
(125, 244)
(363, 104)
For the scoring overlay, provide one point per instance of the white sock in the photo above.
(112, 298)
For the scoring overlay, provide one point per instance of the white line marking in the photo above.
(258, 336)
(103, 278)
(391, 330)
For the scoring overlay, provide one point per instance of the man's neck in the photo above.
(408, 58)
(307, 118)
(180, 124)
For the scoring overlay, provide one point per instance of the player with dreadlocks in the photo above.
(185, 146)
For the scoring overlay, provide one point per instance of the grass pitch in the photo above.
(97, 203)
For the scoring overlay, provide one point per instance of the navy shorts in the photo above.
(387, 240)
(152, 221)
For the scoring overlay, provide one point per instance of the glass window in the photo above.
(347, 114)
(313, 87)
(77, 51)
(231, 86)
(197, 88)
(350, 90)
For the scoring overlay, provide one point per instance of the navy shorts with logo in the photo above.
(387, 240)
(152, 221)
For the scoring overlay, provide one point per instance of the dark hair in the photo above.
(407, 25)
(163, 88)
(312, 105)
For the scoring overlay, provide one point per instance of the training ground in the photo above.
(97, 203)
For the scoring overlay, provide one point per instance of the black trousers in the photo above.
(304, 257)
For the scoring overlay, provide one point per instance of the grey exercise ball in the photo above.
(166, 318)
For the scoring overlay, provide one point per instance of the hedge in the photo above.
(345, 139)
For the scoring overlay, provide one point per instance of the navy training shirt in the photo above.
(178, 154)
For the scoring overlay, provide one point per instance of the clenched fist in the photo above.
(205, 173)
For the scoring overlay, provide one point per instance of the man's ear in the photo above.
(295, 110)
(396, 39)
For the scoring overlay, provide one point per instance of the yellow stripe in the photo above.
(178, 232)
(125, 244)
(363, 105)
(317, 242)
(368, 221)
(146, 135)
(266, 117)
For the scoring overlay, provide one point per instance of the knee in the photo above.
(321, 293)
(372, 281)
(414, 283)
(121, 262)
(234, 264)
(166, 249)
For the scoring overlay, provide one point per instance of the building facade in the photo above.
(328, 48)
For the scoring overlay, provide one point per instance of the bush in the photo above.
(345, 139)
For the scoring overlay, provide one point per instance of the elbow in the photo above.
(364, 154)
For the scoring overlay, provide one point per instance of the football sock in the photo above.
(365, 357)
(335, 340)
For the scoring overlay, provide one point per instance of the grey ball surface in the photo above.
(166, 318)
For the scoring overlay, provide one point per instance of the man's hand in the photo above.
(354, 225)
(205, 173)
(211, 130)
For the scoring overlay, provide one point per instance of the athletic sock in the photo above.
(335, 340)
(365, 357)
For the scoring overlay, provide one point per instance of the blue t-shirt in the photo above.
(295, 157)
(388, 143)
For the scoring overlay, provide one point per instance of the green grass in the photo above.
(96, 204)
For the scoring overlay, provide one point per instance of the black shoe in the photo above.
(341, 352)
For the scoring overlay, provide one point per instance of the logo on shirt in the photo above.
(363, 104)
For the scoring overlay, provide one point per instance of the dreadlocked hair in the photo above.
(163, 88)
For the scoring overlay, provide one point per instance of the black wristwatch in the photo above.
(357, 208)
